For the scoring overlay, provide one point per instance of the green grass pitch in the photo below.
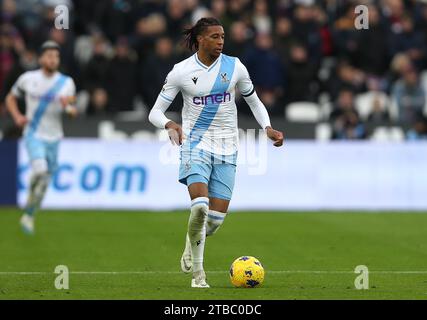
(135, 255)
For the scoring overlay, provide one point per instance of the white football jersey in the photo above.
(42, 98)
(209, 114)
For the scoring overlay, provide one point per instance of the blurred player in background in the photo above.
(47, 94)
(209, 133)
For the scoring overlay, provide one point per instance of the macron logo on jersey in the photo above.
(212, 99)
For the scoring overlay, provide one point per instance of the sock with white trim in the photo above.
(214, 221)
(38, 187)
(197, 230)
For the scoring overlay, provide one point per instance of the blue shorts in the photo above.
(217, 172)
(40, 149)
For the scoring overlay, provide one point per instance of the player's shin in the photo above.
(197, 230)
(214, 221)
(38, 186)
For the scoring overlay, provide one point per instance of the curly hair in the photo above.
(200, 26)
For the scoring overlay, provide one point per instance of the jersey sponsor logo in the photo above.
(212, 98)
(47, 97)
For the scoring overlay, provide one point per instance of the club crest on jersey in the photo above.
(224, 77)
(194, 79)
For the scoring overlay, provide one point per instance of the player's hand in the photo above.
(67, 100)
(276, 136)
(71, 111)
(20, 120)
(175, 132)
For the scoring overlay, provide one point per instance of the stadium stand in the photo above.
(301, 56)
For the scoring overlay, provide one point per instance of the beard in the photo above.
(50, 69)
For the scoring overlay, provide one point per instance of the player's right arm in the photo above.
(16, 92)
(157, 114)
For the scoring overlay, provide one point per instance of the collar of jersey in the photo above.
(54, 75)
(205, 66)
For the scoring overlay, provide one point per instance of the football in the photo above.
(246, 272)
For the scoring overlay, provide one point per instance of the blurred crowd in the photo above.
(120, 51)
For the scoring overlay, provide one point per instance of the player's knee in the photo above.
(199, 213)
(40, 167)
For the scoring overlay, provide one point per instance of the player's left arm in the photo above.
(68, 101)
(247, 89)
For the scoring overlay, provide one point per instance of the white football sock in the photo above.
(38, 187)
(214, 221)
(197, 230)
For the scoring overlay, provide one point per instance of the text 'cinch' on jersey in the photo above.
(212, 98)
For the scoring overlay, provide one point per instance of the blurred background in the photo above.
(320, 78)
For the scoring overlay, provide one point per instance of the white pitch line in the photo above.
(212, 272)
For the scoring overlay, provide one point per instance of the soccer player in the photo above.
(47, 94)
(209, 133)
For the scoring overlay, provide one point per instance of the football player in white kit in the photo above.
(47, 94)
(208, 138)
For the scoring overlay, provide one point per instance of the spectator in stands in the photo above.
(418, 130)
(306, 29)
(121, 78)
(98, 102)
(27, 61)
(283, 38)
(95, 72)
(399, 65)
(301, 76)
(11, 47)
(266, 70)
(95, 76)
(238, 9)
(115, 17)
(421, 21)
(261, 17)
(345, 35)
(379, 113)
(397, 33)
(238, 40)
(219, 10)
(177, 16)
(66, 41)
(409, 41)
(321, 19)
(347, 76)
(409, 95)
(372, 47)
(345, 120)
(153, 72)
(147, 29)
